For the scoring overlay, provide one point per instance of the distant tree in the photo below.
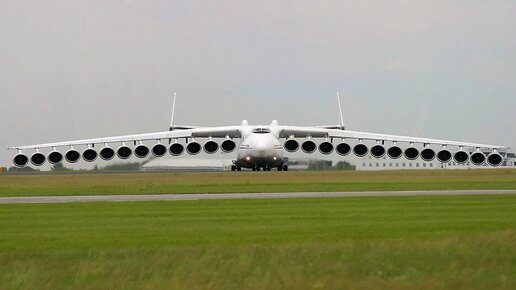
(343, 165)
(60, 167)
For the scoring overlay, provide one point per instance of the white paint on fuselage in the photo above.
(260, 146)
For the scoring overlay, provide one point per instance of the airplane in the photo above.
(261, 147)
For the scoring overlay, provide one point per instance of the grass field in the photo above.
(446, 242)
(156, 183)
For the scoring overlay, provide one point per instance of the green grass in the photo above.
(157, 183)
(446, 242)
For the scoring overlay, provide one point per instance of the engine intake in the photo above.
(378, 151)
(107, 153)
(343, 149)
(291, 145)
(394, 152)
(72, 156)
(326, 147)
(411, 153)
(20, 160)
(159, 150)
(211, 147)
(308, 146)
(55, 157)
(124, 152)
(193, 148)
(89, 155)
(461, 157)
(494, 159)
(176, 149)
(444, 156)
(228, 146)
(141, 151)
(360, 150)
(478, 158)
(428, 154)
(37, 159)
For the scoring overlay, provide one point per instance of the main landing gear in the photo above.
(236, 167)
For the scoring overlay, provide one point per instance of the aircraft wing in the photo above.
(215, 132)
(316, 132)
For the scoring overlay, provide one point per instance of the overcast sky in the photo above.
(82, 69)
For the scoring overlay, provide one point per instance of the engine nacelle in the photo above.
(444, 156)
(461, 157)
(326, 147)
(55, 157)
(72, 156)
(291, 145)
(193, 148)
(124, 152)
(141, 151)
(176, 149)
(360, 150)
(20, 160)
(107, 153)
(37, 159)
(228, 146)
(89, 155)
(411, 153)
(378, 151)
(159, 150)
(211, 147)
(495, 159)
(478, 158)
(343, 149)
(308, 146)
(428, 154)
(394, 152)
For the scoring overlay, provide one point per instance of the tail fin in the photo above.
(340, 113)
(173, 112)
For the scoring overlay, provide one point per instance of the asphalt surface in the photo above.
(219, 196)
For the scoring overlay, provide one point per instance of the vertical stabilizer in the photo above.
(173, 112)
(340, 113)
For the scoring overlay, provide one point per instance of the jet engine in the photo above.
(159, 150)
(193, 148)
(20, 160)
(124, 152)
(228, 146)
(411, 153)
(37, 159)
(343, 149)
(107, 153)
(444, 156)
(55, 157)
(378, 151)
(291, 145)
(308, 146)
(478, 158)
(494, 159)
(360, 150)
(461, 157)
(394, 152)
(211, 147)
(72, 156)
(176, 149)
(428, 154)
(89, 155)
(141, 151)
(326, 147)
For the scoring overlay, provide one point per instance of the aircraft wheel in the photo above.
(285, 167)
(239, 168)
(280, 168)
(233, 168)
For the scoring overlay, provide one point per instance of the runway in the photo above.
(228, 196)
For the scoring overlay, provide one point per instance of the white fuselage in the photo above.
(260, 147)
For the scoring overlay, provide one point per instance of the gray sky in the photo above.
(81, 69)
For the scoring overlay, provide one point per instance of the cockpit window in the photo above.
(261, 131)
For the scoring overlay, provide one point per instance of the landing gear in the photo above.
(236, 168)
(285, 167)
